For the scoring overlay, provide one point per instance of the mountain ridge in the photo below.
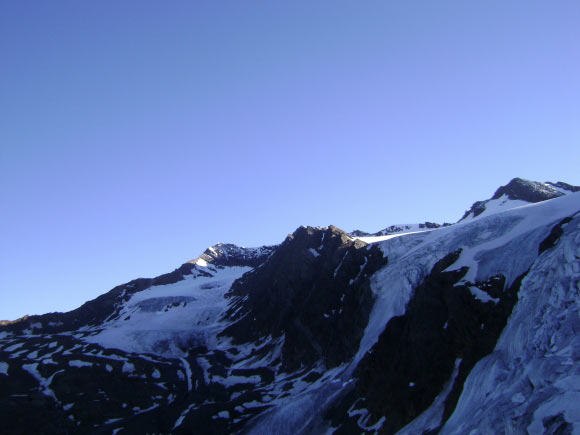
(326, 332)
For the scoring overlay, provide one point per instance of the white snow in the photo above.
(188, 373)
(494, 206)
(362, 267)
(565, 403)
(17, 354)
(364, 417)
(128, 367)
(69, 351)
(481, 295)
(14, 347)
(376, 239)
(516, 233)
(44, 383)
(340, 264)
(533, 361)
(245, 359)
(4, 368)
(195, 320)
(314, 252)
(32, 355)
(231, 380)
(113, 357)
(201, 262)
(205, 366)
(182, 416)
(412, 257)
(490, 245)
(142, 411)
(252, 404)
(79, 363)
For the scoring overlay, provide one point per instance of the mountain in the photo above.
(516, 193)
(463, 328)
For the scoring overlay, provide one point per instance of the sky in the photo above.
(135, 134)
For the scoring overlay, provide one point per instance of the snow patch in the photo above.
(128, 367)
(79, 363)
(14, 347)
(482, 296)
(195, 320)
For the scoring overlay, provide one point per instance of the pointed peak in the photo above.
(228, 254)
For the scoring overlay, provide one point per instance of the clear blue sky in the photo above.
(135, 134)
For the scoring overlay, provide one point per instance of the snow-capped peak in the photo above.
(516, 193)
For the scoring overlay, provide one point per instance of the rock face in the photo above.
(564, 186)
(445, 329)
(227, 254)
(314, 291)
(529, 191)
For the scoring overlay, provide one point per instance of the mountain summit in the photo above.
(419, 328)
(516, 193)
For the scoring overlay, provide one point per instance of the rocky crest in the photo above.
(525, 190)
(519, 189)
(227, 254)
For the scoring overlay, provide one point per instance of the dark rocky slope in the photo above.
(314, 291)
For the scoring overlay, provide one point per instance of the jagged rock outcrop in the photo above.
(314, 290)
(517, 192)
(525, 190)
(227, 254)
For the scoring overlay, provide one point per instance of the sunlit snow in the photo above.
(166, 319)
